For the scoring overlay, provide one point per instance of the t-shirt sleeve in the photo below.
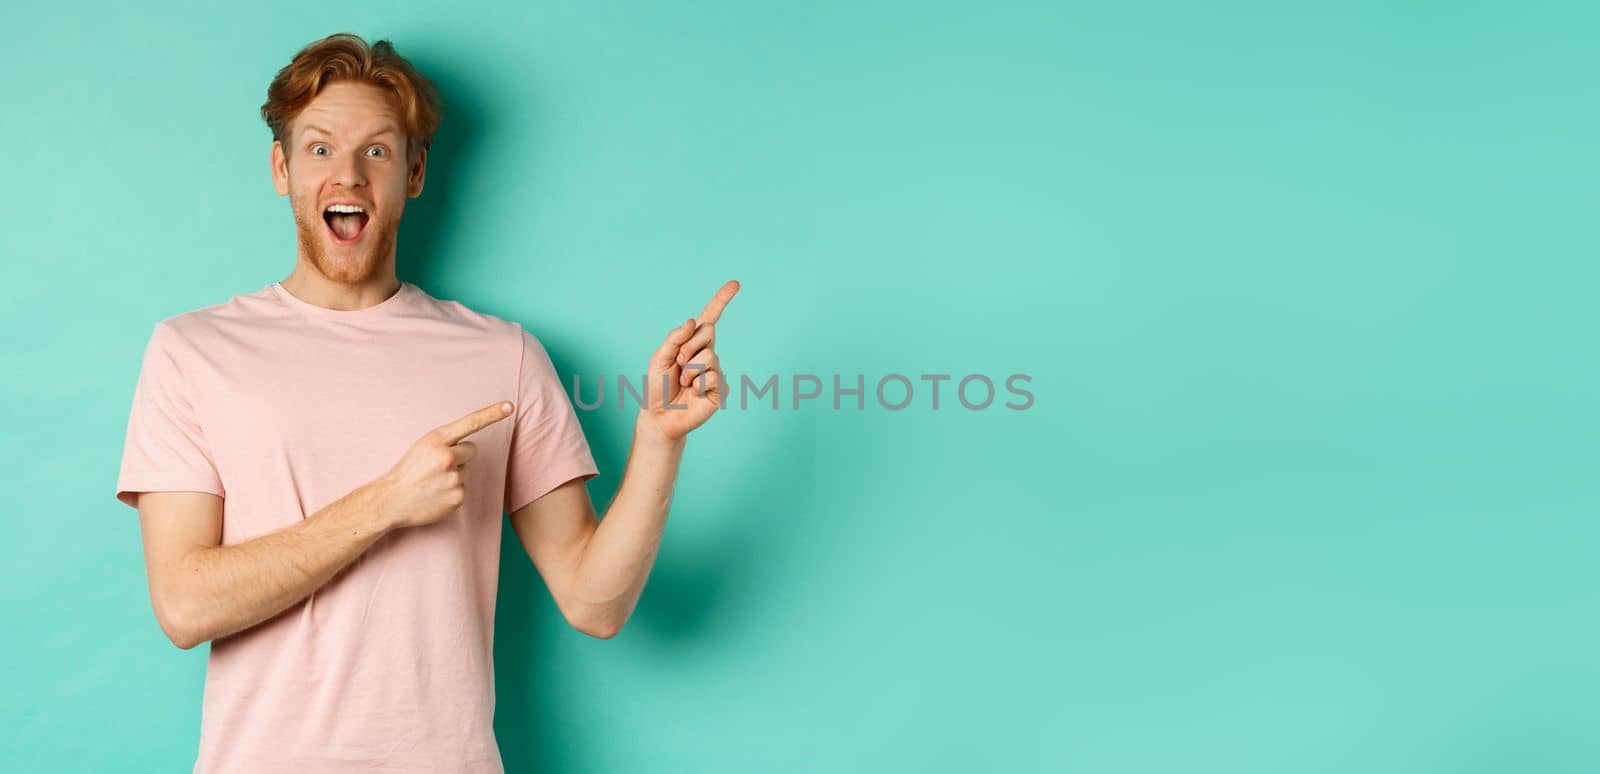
(547, 443)
(165, 448)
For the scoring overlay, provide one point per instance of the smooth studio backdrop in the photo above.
(1305, 294)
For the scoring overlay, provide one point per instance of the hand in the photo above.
(425, 485)
(686, 374)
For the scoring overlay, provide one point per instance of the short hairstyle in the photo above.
(346, 57)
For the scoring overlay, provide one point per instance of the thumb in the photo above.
(667, 354)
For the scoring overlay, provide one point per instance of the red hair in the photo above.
(346, 57)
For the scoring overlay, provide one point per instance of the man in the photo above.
(321, 466)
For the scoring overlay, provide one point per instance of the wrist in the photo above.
(650, 437)
(369, 510)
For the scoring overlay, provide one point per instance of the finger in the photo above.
(713, 389)
(472, 423)
(702, 362)
(464, 452)
(713, 310)
(663, 357)
(704, 336)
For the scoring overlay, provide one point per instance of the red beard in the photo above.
(349, 269)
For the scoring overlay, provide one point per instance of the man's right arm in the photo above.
(202, 590)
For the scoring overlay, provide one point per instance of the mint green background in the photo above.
(1307, 296)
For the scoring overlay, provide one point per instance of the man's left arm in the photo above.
(596, 568)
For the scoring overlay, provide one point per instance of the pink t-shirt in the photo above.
(281, 407)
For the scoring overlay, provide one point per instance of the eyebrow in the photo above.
(324, 132)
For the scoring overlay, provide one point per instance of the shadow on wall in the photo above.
(427, 226)
(694, 592)
(691, 602)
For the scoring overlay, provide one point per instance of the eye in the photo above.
(320, 150)
(378, 151)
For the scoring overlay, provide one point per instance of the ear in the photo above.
(280, 169)
(418, 172)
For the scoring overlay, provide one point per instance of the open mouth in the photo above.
(346, 222)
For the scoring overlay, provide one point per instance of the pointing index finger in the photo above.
(713, 310)
(454, 432)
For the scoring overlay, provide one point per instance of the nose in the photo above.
(347, 171)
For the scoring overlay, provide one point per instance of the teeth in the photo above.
(344, 208)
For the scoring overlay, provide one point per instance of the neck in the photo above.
(314, 287)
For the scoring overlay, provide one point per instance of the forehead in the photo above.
(350, 108)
